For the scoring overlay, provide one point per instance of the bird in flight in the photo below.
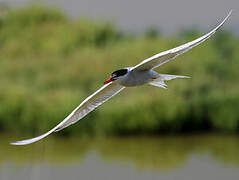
(140, 74)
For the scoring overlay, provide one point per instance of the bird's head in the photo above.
(116, 75)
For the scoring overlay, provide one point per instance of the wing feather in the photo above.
(163, 57)
(89, 104)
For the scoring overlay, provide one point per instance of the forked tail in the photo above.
(159, 82)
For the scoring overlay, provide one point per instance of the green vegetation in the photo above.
(49, 64)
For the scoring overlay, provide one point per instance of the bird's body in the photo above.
(137, 77)
(140, 74)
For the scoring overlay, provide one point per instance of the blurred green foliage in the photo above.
(49, 64)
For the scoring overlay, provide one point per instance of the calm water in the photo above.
(182, 158)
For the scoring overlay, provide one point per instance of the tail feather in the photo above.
(159, 82)
(167, 77)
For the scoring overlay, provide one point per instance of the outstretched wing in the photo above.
(163, 57)
(88, 105)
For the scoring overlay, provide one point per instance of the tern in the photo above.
(140, 74)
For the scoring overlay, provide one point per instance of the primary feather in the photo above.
(88, 105)
(163, 57)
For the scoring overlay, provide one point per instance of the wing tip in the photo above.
(17, 143)
(225, 19)
(25, 142)
(229, 14)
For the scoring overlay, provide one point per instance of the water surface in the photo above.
(182, 158)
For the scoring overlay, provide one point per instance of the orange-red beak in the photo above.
(109, 80)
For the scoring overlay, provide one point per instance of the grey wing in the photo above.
(89, 104)
(163, 57)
